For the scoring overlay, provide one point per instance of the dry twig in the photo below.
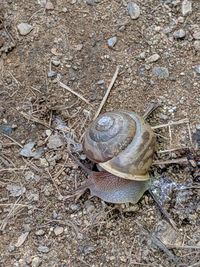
(107, 92)
(73, 92)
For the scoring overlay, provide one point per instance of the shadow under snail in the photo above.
(122, 144)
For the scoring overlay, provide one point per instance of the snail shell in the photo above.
(122, 144)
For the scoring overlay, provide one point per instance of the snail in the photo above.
(122, 144)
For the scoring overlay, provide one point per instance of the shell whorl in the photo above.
(108, 135)
(122, 143)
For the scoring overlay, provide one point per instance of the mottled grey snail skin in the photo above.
(110, 188)
(122, 144)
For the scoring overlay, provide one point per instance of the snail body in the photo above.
(122, 144)
(111, 188)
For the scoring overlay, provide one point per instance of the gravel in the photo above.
(186, 7)
(152, 58)
(24, 28)
(180, 34)
(160, 72)
(43, 249)
(112, 41)
(133, 10)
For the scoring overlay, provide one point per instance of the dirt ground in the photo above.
(68, 44)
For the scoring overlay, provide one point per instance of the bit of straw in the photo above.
(64, 86)
(107, 92)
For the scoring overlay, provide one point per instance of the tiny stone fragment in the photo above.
(52, 74)
(16, 190)
(186, 7)
(43, 249)
(133, 10)
(92, 2)
(24, 28)
(55, 62)
(40, 232)
(21, 239)
(180, 34)
(197, 45)
(6, 129)
(55, 141)
(28, 153)
(49, 6)
(112, 42)
(197, 69)
(196, 35)
(58, 230)
(160, 72)
(152, 58)
(36, 262)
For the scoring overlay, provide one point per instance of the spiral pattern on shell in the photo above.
(122, 143)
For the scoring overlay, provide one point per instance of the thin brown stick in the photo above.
(34, 119)
(173, 161)
(170, 123)
(173, 149)
(73, 92)
(13, 169)
(107, 92)
(12, 140)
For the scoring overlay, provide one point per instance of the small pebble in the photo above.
(55, 62)
(197, 69)
(133, 10)
(152, 58)
(52, 74)
(92, 2)
(58, 230)
(180, 34)
(40, 232)
(36, 262)
(55, 141)
(186, 7)
(197, 45)
(160, 72)
(112, 42)
(24, 28)
(43, 249)
(6, 129)
(89, 206)
(196, 35)
(100, 82)
(75, 207)
(49, 6)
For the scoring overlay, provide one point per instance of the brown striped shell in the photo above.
(122, 143)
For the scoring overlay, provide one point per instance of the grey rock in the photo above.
(36, 262)
(160, 72)
(197, 69)
(55, 62)
(43, 249)
(40, 232)
(55, 141)
(11, 248)
(28, 153)
(92, 2)
(6, 129)
(75, 207)
(16, 190)
(180, 34)
(58, 230)
(24, 28)
(196, 35)
(52, 74)
(133, 10)
(100, 82)
(186, 7)
(197, 45)
(89, 206)
(112, 41)
(152, 58)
